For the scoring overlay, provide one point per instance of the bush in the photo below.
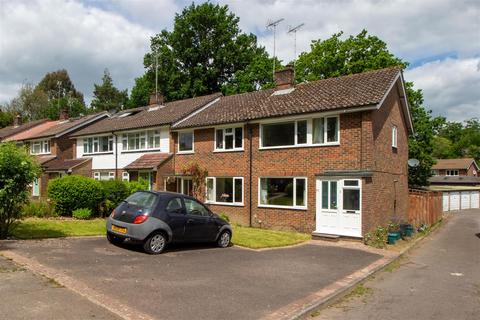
(115, 191)
(225, 217)
(134, 186)
(377, 238)
(82, 214)
(38, 209)
(75, 192)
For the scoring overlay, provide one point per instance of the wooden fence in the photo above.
(425, 207)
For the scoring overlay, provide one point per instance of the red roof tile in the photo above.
(148, 161)
(463, 163)
(63, 165)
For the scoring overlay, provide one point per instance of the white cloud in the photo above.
(450, 87)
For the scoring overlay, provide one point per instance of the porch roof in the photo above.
(148, 161)
(63, 165)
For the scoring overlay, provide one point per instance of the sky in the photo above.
(439, 38)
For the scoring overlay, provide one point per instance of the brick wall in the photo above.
(63, 148)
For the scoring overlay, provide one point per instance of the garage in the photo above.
(475, 199)
(454, 201)
(460, 200)
(465, 200)
(446, 201)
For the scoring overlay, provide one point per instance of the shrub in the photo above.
(17, 171)
(82, 214)
(75, 192)
(115, 191)
(377, 238)
(225, 217)
(134, 186)
(38, 209)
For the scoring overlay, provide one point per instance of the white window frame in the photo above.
(45, 146)
(309, 142)
(294, 207)
(394, 136)
(125, 176)
(452, 172)
(179, 181)
(193, 142)
(97, 175)
(233, 194)
(143, 134)
(224, 134)
(96, 139)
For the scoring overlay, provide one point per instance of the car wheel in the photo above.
(113, 239)
(155, 243)
(224, 239)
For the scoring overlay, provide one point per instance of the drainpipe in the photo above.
(250, 130)
(116, 155)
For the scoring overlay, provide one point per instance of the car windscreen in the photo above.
(142, 199)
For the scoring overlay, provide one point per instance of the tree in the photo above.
(457, 140)
(206, 52)
(6, 117)
(58, 84)
(336, 57)
(107, 97)
(141, 91)
(30, 102)
(17, 171)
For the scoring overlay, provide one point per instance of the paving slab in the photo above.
(196, 282)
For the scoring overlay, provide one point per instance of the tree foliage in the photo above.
(30, 102)
(6, 117)
(458, 140)
(17, 171)
(106, 96)
(58, 84)
(141, 91)
(205, 52)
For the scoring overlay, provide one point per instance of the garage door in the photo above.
(446, 201)
(454, 201)
(475, 200)
(465, 200)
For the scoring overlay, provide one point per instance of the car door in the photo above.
(200, 226)
(177, 218)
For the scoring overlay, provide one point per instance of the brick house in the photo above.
(462, 171)
(328, 156)
(18, 127)
(50, 143)
(135, 143)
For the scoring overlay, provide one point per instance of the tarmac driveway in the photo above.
(196, 282)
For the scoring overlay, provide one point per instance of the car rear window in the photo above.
(142, 199)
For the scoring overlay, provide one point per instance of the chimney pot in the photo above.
(153, 99)
(63, 115)
(285, 78)
(17, 121)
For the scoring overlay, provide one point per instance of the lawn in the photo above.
(35, 228)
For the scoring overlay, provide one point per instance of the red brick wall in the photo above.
(63, 148)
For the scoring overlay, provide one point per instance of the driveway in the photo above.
(192, 282)
(439, 280)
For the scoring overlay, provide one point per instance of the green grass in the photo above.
(261, 238)
(34, 228)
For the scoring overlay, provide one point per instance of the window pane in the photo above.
(282, 134)
(300, 192)
(351, 183)
(174, 205)
(186, 141)
(238, 190)
(324, 194)
(219, 139)
(229, 142)
(333, 194)
(276, 191)
(318, 130)
(224, 190)
(301, 132)
(351, 199)
(210, 191)
(142, 199)
(238, 137)
(157, 142)
(332, 130)
(131, 142)
(104, 143)
(195, 208)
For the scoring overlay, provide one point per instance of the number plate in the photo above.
(119, 229)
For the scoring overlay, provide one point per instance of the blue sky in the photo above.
(440, 39)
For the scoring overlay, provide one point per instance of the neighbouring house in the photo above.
(18, 127)
(327, 156)
(455, 172)
(136, 143)
(50, 143)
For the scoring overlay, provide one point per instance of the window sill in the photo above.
(226, 204)
(97, 153)
(302, 146)
(281, 207)
(185, 152)
(41, 154)
(228, 150)
(140, 151)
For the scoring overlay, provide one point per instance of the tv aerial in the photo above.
(294, 31)
(273, 25)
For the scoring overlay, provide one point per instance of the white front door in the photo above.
(338, 207)
(36, 188)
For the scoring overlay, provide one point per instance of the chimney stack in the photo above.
(17, 121)
(153, 99)
(285, 78)
(63, 115)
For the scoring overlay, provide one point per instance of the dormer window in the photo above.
(40, 147)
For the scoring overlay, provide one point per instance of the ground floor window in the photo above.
(125, 176)
(283, 192)
(180, 185)
(225, 190)
(102, 176)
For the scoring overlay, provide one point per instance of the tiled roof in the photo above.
(362, 89)
(446, 180)
(148, 161)
(463, 163)
(71, 123)
(33, 132)
(11, 130)
(63, 165)
(44, 159)
(142, 117)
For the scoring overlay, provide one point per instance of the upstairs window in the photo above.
(98, 144)
(452, 172)
(394, 136)
(325, 130)
(185, 141)
(143, 140)
(229, 139)
(40, 147)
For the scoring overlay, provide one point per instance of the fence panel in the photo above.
(425, 207)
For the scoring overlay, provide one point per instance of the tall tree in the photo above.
(337, 56)
(106, 96)
(6, 117)
(206, 52)
(141, 91)
(57, 84)
(30, 102)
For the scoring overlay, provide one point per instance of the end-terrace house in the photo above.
(18, 127)
(50, 143)
(327, 156)
(136, 143)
